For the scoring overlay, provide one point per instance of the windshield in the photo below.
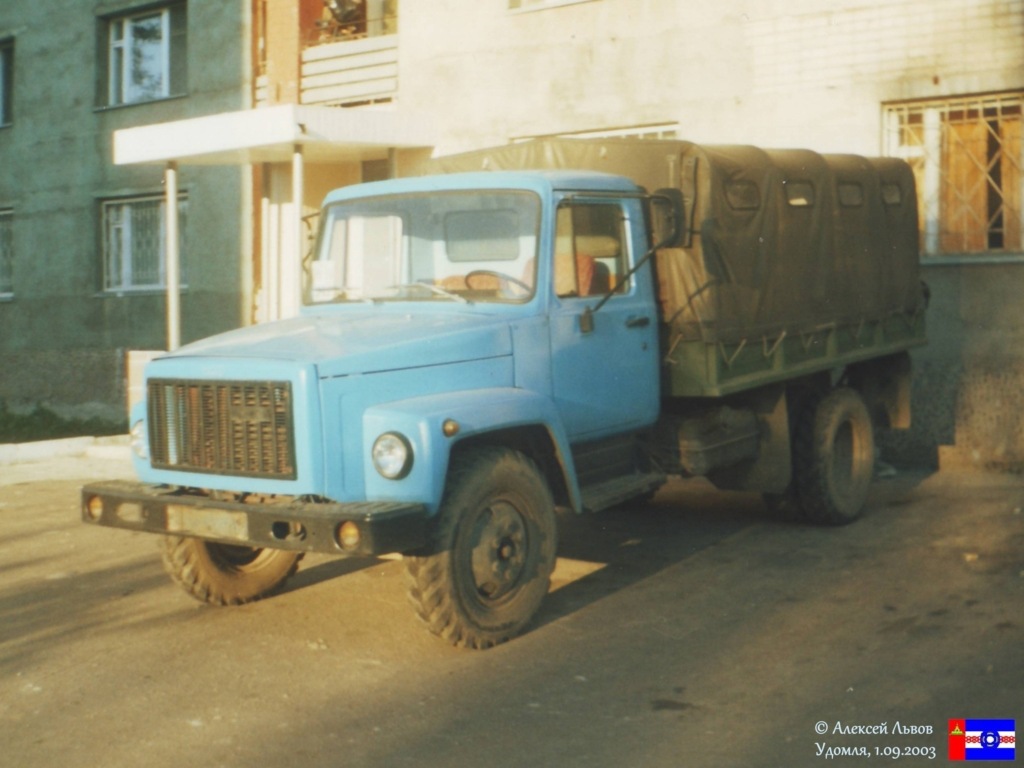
(472, 246)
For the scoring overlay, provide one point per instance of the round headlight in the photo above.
(139, 443)
(392, 455)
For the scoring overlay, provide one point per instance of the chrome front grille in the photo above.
(222, 427)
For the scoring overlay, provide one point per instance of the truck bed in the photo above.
(708, 368)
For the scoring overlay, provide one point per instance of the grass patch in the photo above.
(44, 424)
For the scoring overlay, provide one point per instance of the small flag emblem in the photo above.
(982, 739)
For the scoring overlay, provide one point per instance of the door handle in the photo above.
(638, 321)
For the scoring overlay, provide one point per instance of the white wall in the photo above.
(771, 72)
(778, 73)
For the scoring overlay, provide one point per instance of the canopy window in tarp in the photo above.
(790, 241)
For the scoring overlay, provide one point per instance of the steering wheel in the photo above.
(501, 277)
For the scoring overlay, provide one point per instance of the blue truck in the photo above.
(550, 327)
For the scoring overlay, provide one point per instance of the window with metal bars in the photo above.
(134, 242)
(967, 155)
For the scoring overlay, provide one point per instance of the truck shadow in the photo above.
(318, 569)
(603, 553)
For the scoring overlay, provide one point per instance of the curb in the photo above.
(115, 447)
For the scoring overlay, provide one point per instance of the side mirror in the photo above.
(669, 226)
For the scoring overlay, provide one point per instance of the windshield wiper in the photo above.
(434, 289)
(343, 296)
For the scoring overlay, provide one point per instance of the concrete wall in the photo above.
(968, 394)
(63, 335)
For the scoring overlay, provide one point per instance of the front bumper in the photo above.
(306, 526)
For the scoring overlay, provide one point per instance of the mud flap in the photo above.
(771, 470)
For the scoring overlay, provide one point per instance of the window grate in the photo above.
(967, 156)
(134, 242)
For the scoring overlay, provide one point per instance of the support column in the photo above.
(173, 257)
(269, 248)
(293, 280)
(932, 192)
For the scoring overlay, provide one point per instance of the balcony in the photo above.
(345, 73)
(350, 72)
(342, 53)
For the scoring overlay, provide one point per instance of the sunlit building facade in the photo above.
(254, 109)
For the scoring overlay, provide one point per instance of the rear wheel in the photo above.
(226, 574)
(489, 563)
(833, 458)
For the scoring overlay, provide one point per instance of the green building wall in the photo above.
(62, 338)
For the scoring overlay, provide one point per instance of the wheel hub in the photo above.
(499, 551)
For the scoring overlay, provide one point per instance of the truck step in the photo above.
(609, 493)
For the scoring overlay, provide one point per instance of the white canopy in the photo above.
(285, 133)
(271, 135)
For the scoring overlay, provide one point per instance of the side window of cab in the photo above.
(591, 249)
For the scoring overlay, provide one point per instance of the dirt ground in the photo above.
(696, 631)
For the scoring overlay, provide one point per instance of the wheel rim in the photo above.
(234, 557)
(851, 465)
(499, 547)
(843, 458)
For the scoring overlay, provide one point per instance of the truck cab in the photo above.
(445, 319)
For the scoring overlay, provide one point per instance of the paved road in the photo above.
(694, 632)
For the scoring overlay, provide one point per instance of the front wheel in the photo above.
(226, 574)
(489, 563)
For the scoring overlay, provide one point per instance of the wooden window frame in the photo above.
(967, 154)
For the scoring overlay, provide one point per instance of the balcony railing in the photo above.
(349, 72)
(345, 73)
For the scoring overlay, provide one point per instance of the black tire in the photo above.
(493, 547)
(833, 458)
(224, 574)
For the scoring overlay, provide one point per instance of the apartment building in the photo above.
(278, 101)
(82, 275)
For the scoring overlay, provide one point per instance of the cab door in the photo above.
(604, 363)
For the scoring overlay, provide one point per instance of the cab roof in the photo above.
(539, 181)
